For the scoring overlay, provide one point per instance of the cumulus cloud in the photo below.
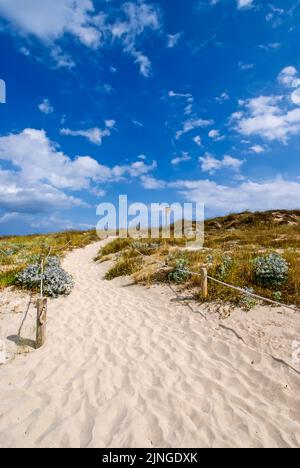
(94, 135)
(215, 135)
(270, 117)
(45, 107)
(211, 164)
(244, 4)
(198, 140)
(41, 173)
(257, 149)
(220, 199)
(287, 76)
(150, 183)
(15, 196)
(50, 21)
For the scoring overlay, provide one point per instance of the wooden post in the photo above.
(41, 321)
(204, 286)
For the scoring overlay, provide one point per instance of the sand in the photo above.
(129, 366)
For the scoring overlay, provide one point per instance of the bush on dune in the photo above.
(56, 281)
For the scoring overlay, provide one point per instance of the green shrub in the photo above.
(270, 270)
(56, 281)
(247, 302)
(225, 267)
(180, 273)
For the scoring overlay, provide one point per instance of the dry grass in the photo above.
(231, 245)
(19, 251)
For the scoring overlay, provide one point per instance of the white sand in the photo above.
(126, 366)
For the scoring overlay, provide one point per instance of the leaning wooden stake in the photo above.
(204, 285)
(41, 321)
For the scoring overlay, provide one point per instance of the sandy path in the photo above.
(125, 367)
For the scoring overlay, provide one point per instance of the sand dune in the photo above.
(126, 366)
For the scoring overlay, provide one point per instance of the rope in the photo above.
(242, 291)
(236, 288)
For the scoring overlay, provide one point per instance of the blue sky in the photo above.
(161, 100)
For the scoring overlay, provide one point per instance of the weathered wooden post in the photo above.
(41, 320)
(204, 281)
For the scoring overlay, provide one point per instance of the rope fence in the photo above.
(204, 285)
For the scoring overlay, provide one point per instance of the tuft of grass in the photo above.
(117, 245)
(17, 252)
(125, 266)
(231, 245)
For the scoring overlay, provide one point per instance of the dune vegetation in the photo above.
(17, 253)
(255, 251)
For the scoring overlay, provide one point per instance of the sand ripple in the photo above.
(125, 367)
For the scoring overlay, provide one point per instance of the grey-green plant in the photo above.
(270, 270)
(56, 281)
(225, 267)
(180, 273)
(248, 302)
(277, 296)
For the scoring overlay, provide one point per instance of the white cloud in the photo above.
(59, 59)
(41, 171)
(143, 62)
(50, 21)
(295, 96)
(45, 107)
(137, 123)
(136, 169)
(258, 149)
(268, 117)
(193, 124)
(221, 199)
(198, 140)
(173, 39)
(241, 4)
(248, 195)
(150, 183)
(180, 159)
(244, 3)
(94, 135)
(270, 46)
(223, 97)
(215, 135)
(187, 98)
(276, 15)
(18, 194)
(137, 18)
(287, 76)
(246, 66)
(210, 164)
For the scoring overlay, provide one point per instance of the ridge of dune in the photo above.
(127, 366)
